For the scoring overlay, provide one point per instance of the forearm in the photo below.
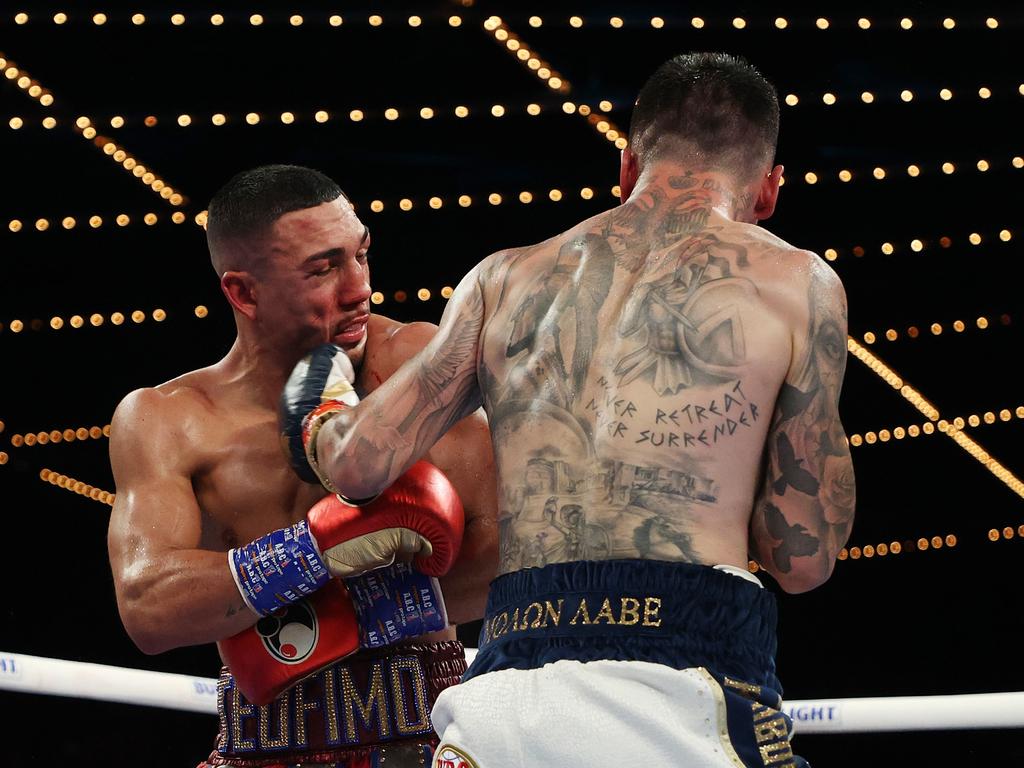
(347, 454)
(180, 598)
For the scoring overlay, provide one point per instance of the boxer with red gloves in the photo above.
(200, 472)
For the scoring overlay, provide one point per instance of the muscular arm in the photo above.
(169, 592)
(804, 512)
(364, 450)
(466, 457)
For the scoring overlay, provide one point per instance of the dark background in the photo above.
(921, 622)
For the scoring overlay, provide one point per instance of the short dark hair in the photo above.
(712, 108)
(251, 201)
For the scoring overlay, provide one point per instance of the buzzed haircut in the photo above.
(251, 201)
(712, 109)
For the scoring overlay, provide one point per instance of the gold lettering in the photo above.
(761, 712)
(747, 689)
(223, 737)
(775, 753)
(501, 618)
(526, 616)
(301, 708)
(773, 729)
(411, 665)
(632, 611)
(351, 702)
(550, 612)
(606, 612)
(515, 620)
(240, 712)
(283, 736)
(331, 709)
(581, 610)
(651, 607)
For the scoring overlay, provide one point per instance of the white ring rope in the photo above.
(57, 677)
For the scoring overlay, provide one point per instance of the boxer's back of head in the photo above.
(246, 207)
(708, 110)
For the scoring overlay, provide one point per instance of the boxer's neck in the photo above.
(717, 190)
(263, 368)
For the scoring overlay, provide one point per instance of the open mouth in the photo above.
(351, 333)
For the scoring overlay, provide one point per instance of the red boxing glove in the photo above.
(419, 513)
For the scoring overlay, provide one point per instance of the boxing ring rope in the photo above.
(58, 677)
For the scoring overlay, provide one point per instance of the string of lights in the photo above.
(461, 111)
(915, 398)
(888, 248)
(251, 19)
(77, 486)
(555, 80)
(25, 82)
(882, 549)
(903, 95)
(84, 126)
(913, 171)
(94, 222)
(930, 428)
(96, 319)
(936, 329)
(55, 436)
(254, 19)
(1006, 533)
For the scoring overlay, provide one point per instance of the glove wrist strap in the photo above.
(278, 569)
(395, 604)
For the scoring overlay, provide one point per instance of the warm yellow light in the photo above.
(501, 34)
(60, 18)
(983, 165)
(831, 254)
(913, 170)
(20, 18)
(697, 22)
(177, 19)
(845, 175)
(891, 335)
(415, 21)
(948, 23)
(355, 115)
(46, 99)
(99, 19)
(555, 195)
(447, 292)
(405, 204)
(377, 297)
(533, 109)
(321, 116)
(936, 330)
(958, 326)
(907, 95)
(123, 220)
(335, 21)
(887, 249)
(465, 201)
(974, 238)
(497, 110)
(739, 23)
(916, 246)
(295, 21)
(56, 323)
(792, 99)
(781, 23)
(586, 193)
(96, 320)
(34, 91)
(568, 107)
(117, 318)
(461, 111)
(869, 338)
(377, 206)
(1018, 162)
(494, 198)
(287, 118)
(42, 225)
(984, 92)
(95, 222)
(575, 22)
(621, 143)
(150, 219)
(811, 178)
(391, 113)
(536, 21)
(906, 23)
(555, 83)
(201, 311)
(426, 113)
(945, 94)
(864, 23)
(256, 19)
(525, 197)
(1005, 235)
(615, 22)
(991, 23)
(435, 202)
(216, 19)
(423, 294)
(252, 118)
(616, 191)
(948, 168)
(657, 22)
(821, 23)
(829, 99)
(15, 123)
(454, 21)
(878, 173)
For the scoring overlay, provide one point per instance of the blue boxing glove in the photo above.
(319, 387)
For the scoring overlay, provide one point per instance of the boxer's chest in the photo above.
(245, 486)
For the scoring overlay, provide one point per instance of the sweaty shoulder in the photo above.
(160, 421)
(390, 344)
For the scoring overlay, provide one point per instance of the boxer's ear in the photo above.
(768, 194)
(629, 172)
(240, 290)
